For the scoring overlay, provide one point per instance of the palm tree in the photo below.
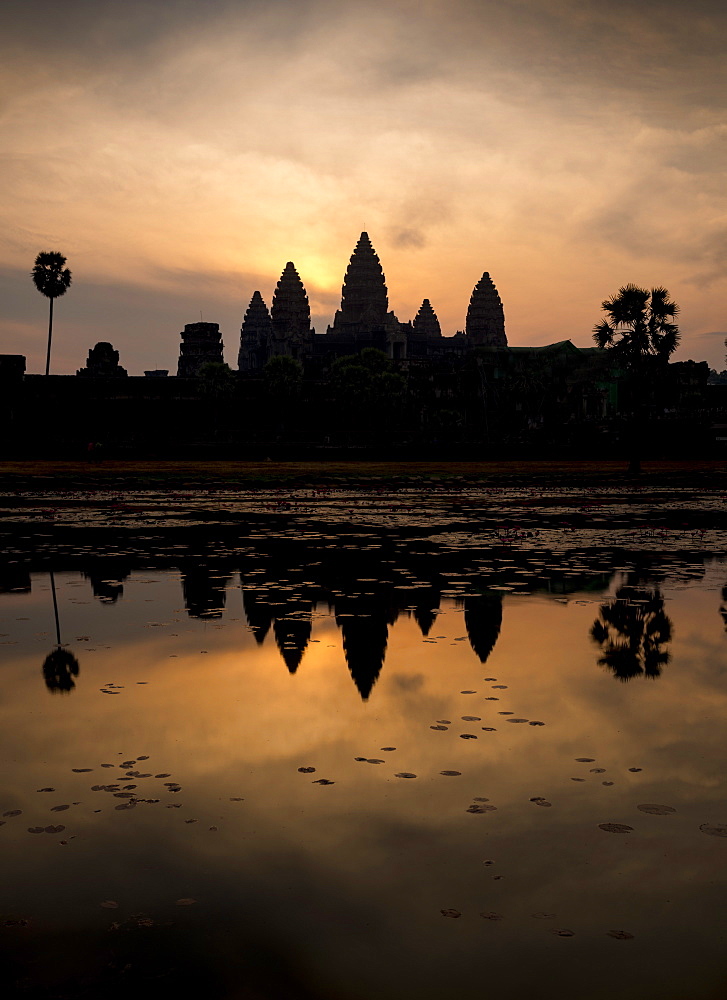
(51, 279)
(638, 328)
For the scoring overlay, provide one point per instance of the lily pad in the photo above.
(718, 830)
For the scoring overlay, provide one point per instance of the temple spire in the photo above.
(255, 335)
(364, 298)
(485, 317)
(290, 314)
(426, 323)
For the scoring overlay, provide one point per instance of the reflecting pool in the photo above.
(334, 777)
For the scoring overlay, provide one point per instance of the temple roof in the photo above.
(426, 323)
(290, 310)
(364, 295)
(485, 316)
(257, 315)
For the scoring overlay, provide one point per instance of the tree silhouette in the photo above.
(367, 392)
(283, 374)
(217, 380)
(51, 279)
(284, 380)
(633, 631)
(638, 328)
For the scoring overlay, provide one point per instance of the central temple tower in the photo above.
(290, 316)
(485, 316)
(364, 299)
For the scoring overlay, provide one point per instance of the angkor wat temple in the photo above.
(363, 320)
(370, 381)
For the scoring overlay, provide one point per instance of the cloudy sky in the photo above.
(179, 153)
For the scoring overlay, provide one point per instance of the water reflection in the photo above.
(59, 668)
(723, 606)
(292, 631)
(204, 591)
(14, 578)
(483, 620)
(194, 814)
(366, 594)
(633, 631)
(364, 624)
(364, 618)
(60, 665)
(107, 577)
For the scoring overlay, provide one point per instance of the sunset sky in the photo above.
(179, 153)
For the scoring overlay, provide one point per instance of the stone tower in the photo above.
(426, 323)
(255, 335)
(102, 362)
(201, 342)
(485, 317)
(364, 298)
(290, 316)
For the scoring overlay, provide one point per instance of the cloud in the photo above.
(408, 239)
(566, 148)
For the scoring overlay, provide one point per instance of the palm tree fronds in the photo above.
(49, 275)
(603, 334)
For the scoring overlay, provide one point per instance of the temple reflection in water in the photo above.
(364, 620)
(366, 596)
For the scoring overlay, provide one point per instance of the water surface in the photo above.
(268, 778)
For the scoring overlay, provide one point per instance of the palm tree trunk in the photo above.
(50, 335)
(637, 416)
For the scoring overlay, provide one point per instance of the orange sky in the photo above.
(179, 155)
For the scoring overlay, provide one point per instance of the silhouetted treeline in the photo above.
(492, 402)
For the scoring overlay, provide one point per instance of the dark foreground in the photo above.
(216, 474)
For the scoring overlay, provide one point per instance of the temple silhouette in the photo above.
(371, 380)
(363, 320)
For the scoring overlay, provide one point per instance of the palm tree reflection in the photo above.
(60, 666)
(633, 631)
(59, 669)
(723, 606)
